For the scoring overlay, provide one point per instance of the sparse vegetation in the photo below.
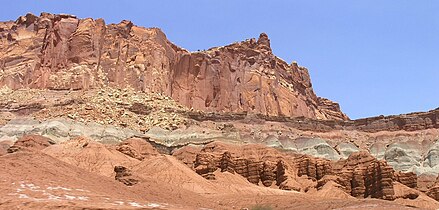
(261, 207)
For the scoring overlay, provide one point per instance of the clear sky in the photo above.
(372, 56)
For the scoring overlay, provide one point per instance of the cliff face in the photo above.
(246, 76)
(62, 52)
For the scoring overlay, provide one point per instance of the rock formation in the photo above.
(136, 148)
(369, 176)
(409, 122)
(4, 146)
(433, 191)
(132, 98)
(409, 179)
(62, 52)
(124, 175)
(90, 155)
(32, 142)
(361, 175)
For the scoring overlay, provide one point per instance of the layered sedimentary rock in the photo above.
(62, 52)
(408, 122)
(246, 77)
(330, 108)
(404, 122)
(256, 164)
(361, 175)
(313, 168)
(409, 179)
(433, 191)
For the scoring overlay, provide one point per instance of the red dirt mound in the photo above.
(32, 142)
(90, 155)
(136, 148)
(33, 180)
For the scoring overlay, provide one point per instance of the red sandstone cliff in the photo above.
(62, 52)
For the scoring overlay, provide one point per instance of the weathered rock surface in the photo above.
(4, 146)
(62, 52)
(406, 154)
(33, 142)
(259, 165)
(136, 148)
(414, 152)
(404, 192)
(433, 191)
(117, 81)
(346, 149)
(409, 122)
(316, 147)
(313, 168)
(425, 182)
(61, 130)
(360, 175)
(90, 155)
(409, 179)
(330, 108)
(368, 176)
(125, 176)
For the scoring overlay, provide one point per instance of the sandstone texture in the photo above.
(360, 175)
(115, 116)
(62, 52)
(90, 155)
(124, 175)
(433, 190)
(63, 129)
(33, 142)
(408, 151)
(136, 148)
(92, 175)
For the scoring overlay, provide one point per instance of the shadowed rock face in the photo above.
(62, 52)
(124, 175)
(433, 190)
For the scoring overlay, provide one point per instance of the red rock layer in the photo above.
(409, 179)
(136, 148)
(125, 176)
(62, 52)
(30, 142)
(361, 175)
(433, 191)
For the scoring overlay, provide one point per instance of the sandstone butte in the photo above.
(231, 127)
(62, 52)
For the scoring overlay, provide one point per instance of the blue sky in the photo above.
(372, 56)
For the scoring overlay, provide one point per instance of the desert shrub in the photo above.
(261, 207)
